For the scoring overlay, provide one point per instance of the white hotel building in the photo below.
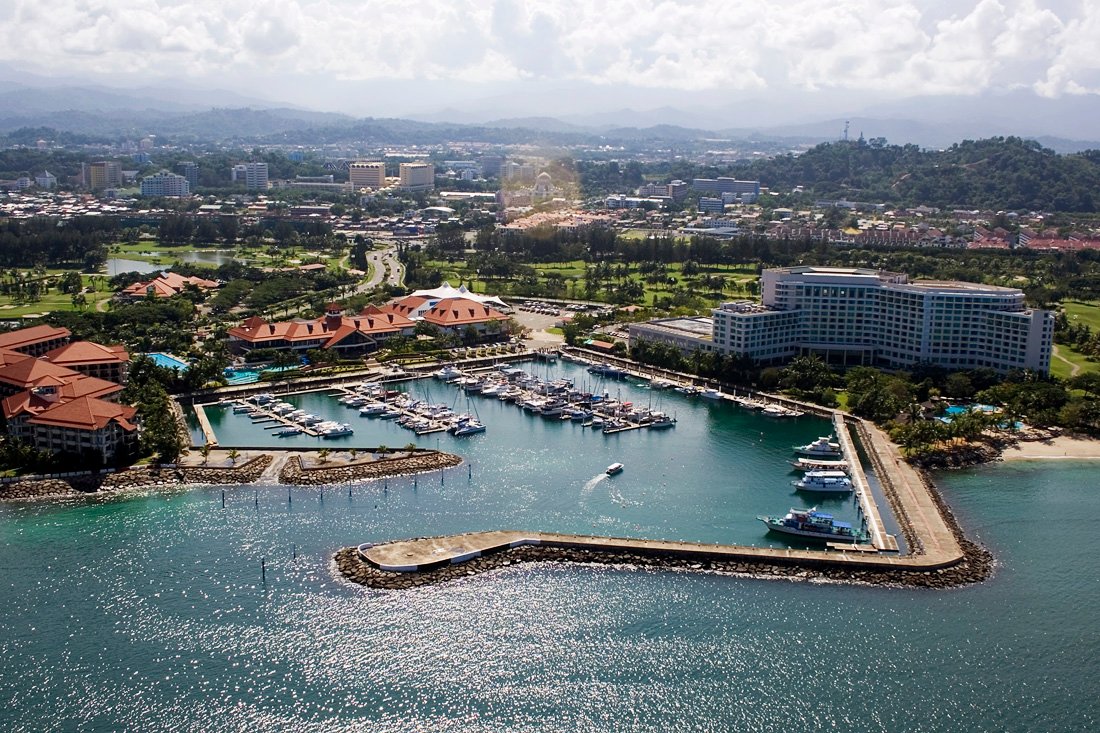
(857, 316)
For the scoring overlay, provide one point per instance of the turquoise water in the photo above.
(167, 360)
(149, 612)
(707, 479)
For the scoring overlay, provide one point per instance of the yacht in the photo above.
(812, 524)
(661, 421)
(334, 430)
(288, 431)
(711, 394)
(614, 469)
(824, 482)
(372, 409)
(823, 447)
(449, 373)
(469, 427)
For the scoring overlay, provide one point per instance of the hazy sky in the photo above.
(318, 52)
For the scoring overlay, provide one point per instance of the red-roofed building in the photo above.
(36, 340)
(84, 425)
(346, 334)
(166, 285)
(94, 360)
(455, 315)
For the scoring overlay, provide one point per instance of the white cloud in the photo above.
(901, 47)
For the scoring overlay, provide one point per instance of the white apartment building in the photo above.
(253, 174)
(855, 316)
(367, 174)
(416, 176)
(165, 184)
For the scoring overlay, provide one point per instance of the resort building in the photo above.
(36, 340)
(111, 363)
(166, 285)
(349, 335)
(66, 401)
(856, 316)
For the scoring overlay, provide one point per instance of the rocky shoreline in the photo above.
(293, 472)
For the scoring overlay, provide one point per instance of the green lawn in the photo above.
(1086, 313)
(1059, 367)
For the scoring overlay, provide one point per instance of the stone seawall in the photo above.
(975, 568)
(294, 473)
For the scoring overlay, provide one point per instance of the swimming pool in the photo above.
(167, 360)
(960, 409)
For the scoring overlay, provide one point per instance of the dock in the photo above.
(879, 538)
(269, 416)
(209, 438)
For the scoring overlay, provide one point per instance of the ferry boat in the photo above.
(823, 447)
(614, 469)
(812, 524)
(824, 482)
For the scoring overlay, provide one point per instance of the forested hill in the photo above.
(998, 173)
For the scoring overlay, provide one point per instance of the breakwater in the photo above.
(973, 567)
(413, 462)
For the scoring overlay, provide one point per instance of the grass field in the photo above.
(1064, 359)
(571, 275)
(1080, 312)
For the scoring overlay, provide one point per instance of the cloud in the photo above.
(893, 47)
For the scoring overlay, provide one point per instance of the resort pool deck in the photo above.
(167, 360)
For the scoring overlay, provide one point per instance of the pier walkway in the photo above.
(879, 538)
(208, 435)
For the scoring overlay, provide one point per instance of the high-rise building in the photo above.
(416, 176)
(165, 184)
(367, 174)
(190, 171)
(856, 316)
(104, 174)
(255, 176)
(726, 185)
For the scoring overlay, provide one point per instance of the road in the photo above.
(384, 266)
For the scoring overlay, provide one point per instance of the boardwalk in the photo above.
(879, 538)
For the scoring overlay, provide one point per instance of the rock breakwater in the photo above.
(418, 462)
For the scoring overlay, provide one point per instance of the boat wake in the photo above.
(591, 483)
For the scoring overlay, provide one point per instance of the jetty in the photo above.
(868, 507)
(209, 438)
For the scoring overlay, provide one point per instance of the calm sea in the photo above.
(150, 613)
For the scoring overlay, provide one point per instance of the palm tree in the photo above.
(205, 453)
(322, 455)
(234, 454)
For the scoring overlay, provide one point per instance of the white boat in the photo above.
(711, 394)
(823, 447)
(819, 464)
(780, 411)
(448, 373)
(614, 468)
(287, 431)
(824, 482)
(372, 408)
(662, 421)
(812, 524)
(336, 430)
(469, 428)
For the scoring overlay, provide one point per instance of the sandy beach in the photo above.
(1063, 446)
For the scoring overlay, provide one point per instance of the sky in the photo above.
(400, 56)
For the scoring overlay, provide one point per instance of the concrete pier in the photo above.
(879, 538)
(207, 430)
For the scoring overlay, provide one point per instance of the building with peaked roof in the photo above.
(66, 400)
(456, 315)
(94, 360)
(166, 285)
(349, 335)
(446, 290)
(36, 340)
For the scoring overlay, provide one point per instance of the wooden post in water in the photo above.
(223, 499)
(263, 570)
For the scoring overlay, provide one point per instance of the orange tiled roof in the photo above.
(257, 330)
(167, 285)
(87, 352)
(461, 312)
(29, 336)
(86, 413)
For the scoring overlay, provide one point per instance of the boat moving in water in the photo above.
(614, 468)
(824, 482)
(815, 525)
(823, 447)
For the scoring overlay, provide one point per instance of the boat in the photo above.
(469, 427)
(614, 469)
(661, 421)
(824, 482)
(390, 414)
(334, 430)
(238, 409)
(823, 447)
(372, 408)
(288, 431)
(780, 411)
(448, 373)
(819, 464)
(607, 370)
(711, 394)
(812, 524)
